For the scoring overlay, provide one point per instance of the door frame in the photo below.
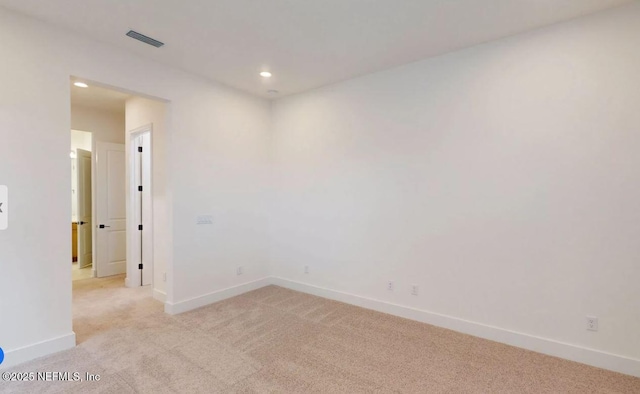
(77, 197)
(134, 242)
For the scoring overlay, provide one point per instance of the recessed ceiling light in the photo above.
(265, 74)
(272, 91)
(81, 84)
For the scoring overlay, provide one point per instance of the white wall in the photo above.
(104, 125)
(81, 140)
(502, 179)
(143, 112)
(217, 133)
(220, 167)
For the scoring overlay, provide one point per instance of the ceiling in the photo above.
(99, 98)
(304, 43)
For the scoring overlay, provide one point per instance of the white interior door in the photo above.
(83, 195)
(111, 248)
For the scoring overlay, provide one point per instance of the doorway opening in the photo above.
(112, 185)
(81, 205)
(114, 180)
(98, 182)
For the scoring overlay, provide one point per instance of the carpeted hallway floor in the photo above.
(278, 340)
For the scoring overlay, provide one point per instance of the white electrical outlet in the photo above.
(592, 323)
(390, 285)
(414, 290)
(240, 271)
(306, 269)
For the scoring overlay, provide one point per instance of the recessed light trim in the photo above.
(81, 84)
(265, 74)
(272, 91)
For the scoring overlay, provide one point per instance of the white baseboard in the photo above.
(20, 355)
(550, 347)
(159, 295)
(197, 302)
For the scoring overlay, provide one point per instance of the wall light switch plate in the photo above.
(204, 219)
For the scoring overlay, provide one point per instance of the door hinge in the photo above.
(139, 266)
(139, 188)
(140, 227)
(139, 149)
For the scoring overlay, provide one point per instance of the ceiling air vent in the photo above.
(145, 39)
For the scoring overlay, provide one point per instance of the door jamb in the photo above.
(134, 275)
(94, 265)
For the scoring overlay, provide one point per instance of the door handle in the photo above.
(103, 226)
(81, 223)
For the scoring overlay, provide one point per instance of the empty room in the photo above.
(337, 196)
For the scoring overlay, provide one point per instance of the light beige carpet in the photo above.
(278, 340)
(78, 273)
